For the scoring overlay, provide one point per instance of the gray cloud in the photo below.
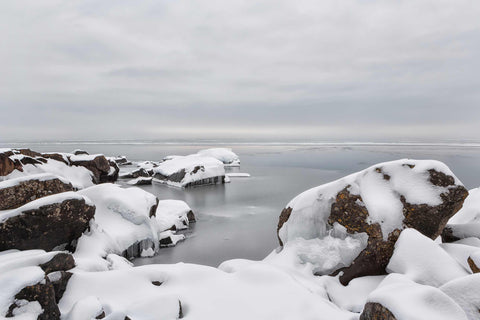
(357, 70)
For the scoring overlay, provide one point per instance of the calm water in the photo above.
(238, 220)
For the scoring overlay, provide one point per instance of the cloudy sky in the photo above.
(228, 69)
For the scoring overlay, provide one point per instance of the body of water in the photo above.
(239, 219)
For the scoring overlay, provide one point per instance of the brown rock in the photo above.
(472, 265)
(26, 191)
(191, 216)
(46, 227)
(7, 165)
(99, 166)
(55, 156)
(375, 311)
(44, 293)
(60, 262)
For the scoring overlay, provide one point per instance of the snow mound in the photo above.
(122, 219)
(172, 213)
(423, 261)
(408, 300)
(465, 293)
(226, 155)
(470, 212)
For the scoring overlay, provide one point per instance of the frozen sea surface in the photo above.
(239, 219)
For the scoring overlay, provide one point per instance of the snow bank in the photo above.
(470, 212)
(226, 155)
(423, 261)
(258, 291)
(408, 300)
(465, 292)
(379, 186)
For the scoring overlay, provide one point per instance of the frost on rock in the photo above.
(407, 300)
(380, 201)
(226, 155)
(173, 215)
(189, 171)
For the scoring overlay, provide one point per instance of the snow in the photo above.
(19, 269)
(40, 177)
(381, 197)
(79, 177)
(44, 201)
(172, 213)
(470, 212)
(238, 175)
(226, 155)
(140, 180)
(465, 293)
(121, 219)
(84, 157)
(257, 291)
(408, 300)
(322, 255)
(461, 253)
(210, 167)
(423, 261)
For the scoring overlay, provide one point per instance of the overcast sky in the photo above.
(271, 69)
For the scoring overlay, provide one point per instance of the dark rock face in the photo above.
(375, 311)
(44, 293)
(472, 265)
(48, 293)
(47, 226)
(350, 211)
(78, 152)
(26, 191)
(191, 216)
(175, 177)
(99, 166)
(136, 174)
(7, 165)
(112, 176)
(141, 181)
(153, 210)
(56, 156)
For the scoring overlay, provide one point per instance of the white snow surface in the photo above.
(210, 167)
(121, 219)
(79, 177)
(408, 300)
(226, 155)
(422, 260)
(238, 175)
(40, 177)
(465, 292)
(381, 197)
(470, 212)
(172, 213)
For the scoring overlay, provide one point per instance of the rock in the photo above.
(380, 201)
(140, 181)
(45, 223)
(135, 174)
(112, 175)
(97, 164)
(16, 192)
(121, 160)
(191, 216)
(59, 280)
(57, 156)
(60, 262)
(375, 311)
(79, 151)
(7, 165)
(44, 293)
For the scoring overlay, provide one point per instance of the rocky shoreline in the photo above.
(382, 243)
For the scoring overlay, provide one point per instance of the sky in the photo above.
(330, 70)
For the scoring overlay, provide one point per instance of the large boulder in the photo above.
(17, 192)
(46, 223)
(97, 164)
(376, 203)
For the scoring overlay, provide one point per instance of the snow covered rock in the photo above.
(17, 192)
(189, 171)
(136, 174)
(466, 223)
(45, 223)
(120, 160)
(33, 282)
(124, 223)
(380, 202)
(464, 291)
(174, 215)
(79, 152)
(398, 298)
(226, 155)
(102, 169)
(140, 181)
